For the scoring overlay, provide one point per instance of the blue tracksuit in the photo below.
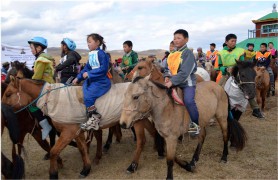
(97, 83)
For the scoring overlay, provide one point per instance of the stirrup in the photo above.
(194, 128)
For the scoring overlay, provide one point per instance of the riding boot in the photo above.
(257, 113)
(46, 128)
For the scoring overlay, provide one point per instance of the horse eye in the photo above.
(135, 97)
(8, 94)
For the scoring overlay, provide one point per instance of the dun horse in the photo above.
(149, 97)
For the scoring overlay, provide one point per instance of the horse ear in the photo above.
(147, 77)
(12, 78)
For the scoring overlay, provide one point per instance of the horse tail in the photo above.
(19, 168)
(236, 132)
(12, 122)
(6, 167)
(159, 144)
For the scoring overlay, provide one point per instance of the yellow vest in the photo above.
(229, 58)
(173, 61)
(249, 54)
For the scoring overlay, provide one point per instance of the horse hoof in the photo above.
(53, 175)
(160, 157)
(132, 168)
(46, 156)
(190, 168)
(96, 161)
(84, 173)
(223, 161)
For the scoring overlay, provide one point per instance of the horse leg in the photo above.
(159, 141)
(43, 143)
(263, 95)
(224, 127)
(134, 134)
(191, 166)
(81, 144)
(118, 133)
(171, 144)
(141, 140)
(64, 139)
(106, 147)
(98, 135)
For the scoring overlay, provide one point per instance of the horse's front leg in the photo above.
(141, 140)
(171, 144)
(98, 135)
(62, 142)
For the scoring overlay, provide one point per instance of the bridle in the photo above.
(140, 114)
(243, 82)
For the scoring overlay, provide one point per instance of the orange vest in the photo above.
(259, 55)
(212, 55)
(173, 61)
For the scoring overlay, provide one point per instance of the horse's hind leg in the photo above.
(81, 144)
(224, 127)
(191, 166)
(141, 140)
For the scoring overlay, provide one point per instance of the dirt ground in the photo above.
(257, 161)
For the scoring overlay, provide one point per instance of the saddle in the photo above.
(176, 95)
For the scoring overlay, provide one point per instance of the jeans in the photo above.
(271, 75)
(190, 104)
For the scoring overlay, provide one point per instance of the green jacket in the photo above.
(43, 68)
(228, 57)
(129, 60)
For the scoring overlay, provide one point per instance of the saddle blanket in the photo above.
(236, 96)
(65, 104)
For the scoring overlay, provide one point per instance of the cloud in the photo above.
(150, 25)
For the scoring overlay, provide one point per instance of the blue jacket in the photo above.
(97, 83)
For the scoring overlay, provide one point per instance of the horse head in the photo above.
(208, 66)
(145, 68)
(245, 74)
(14, 95)
(22, 70)
(137, 103)
(262, 76)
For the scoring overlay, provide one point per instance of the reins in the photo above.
(41, 95)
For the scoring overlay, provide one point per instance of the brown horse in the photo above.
(144, 97)
(146, 67)
(262, 85)
(22, 92)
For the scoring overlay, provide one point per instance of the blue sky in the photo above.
(149, 25)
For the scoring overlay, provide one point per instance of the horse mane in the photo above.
(159, 85)
(35, 81)
(242, 65)
(27, 73)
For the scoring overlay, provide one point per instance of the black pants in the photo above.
(38, 115)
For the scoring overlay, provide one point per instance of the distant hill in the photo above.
(56, 53)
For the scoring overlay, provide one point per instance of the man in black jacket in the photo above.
(69, 62)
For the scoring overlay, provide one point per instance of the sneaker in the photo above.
(93, 121)
(257, 113)
(194, 128)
